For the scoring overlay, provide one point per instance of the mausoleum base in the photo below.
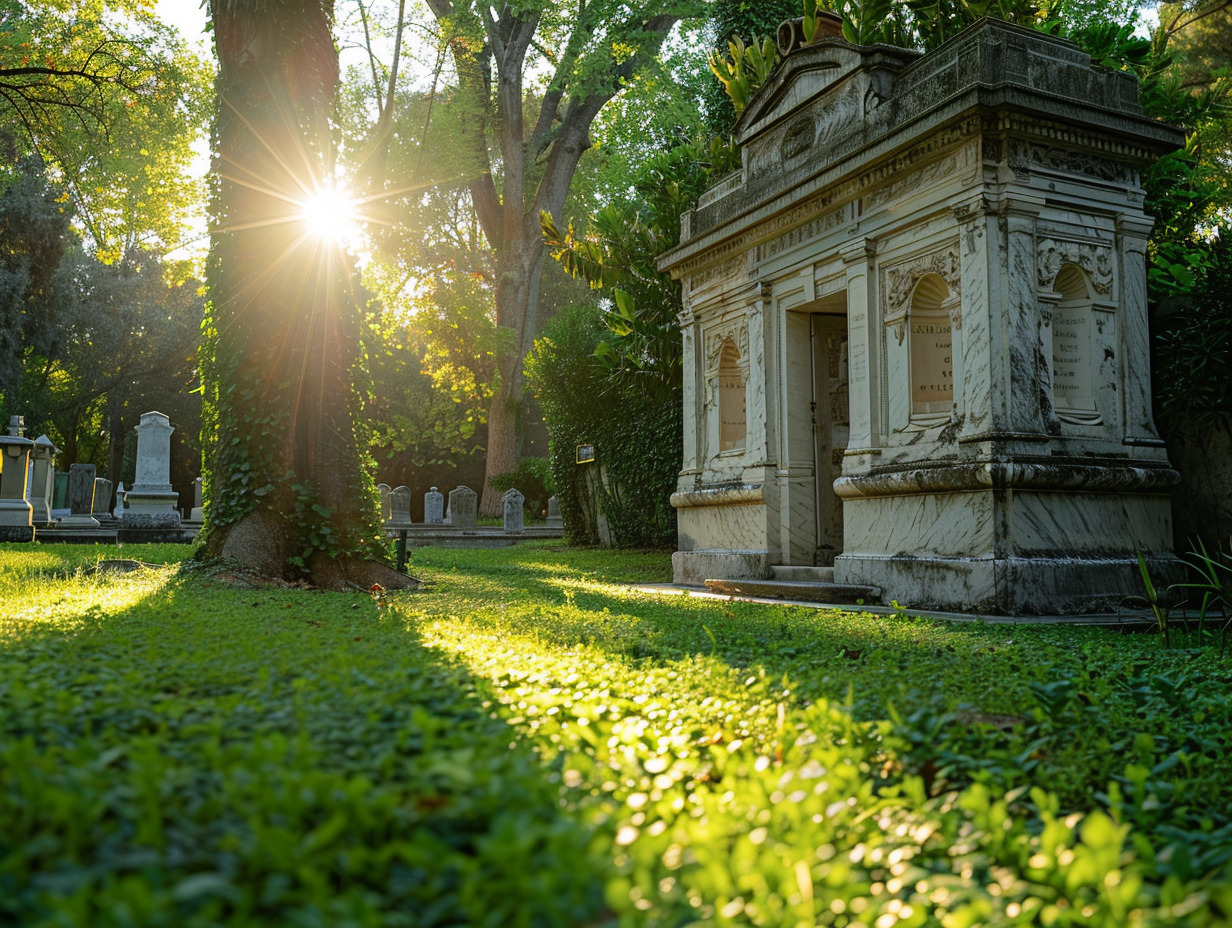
(1007, 585)
(694, 568)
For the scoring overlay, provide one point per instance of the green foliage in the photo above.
(113, 104)
(636, 436)
(744, 68)
(533, 479)
(177, 751)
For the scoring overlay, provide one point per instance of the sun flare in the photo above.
(330, 213)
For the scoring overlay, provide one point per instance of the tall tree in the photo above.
(111, 101)
(287, 493)
(589, 49)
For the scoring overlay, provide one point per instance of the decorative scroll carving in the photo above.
(1025, 156)
(732, 267)
(799, 138)
(1096, 259)
(900, 280)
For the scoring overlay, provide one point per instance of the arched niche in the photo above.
(1072, 359)
(930, 351)
(733, 411)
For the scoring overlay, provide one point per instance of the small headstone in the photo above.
(102, 498)
(17, 426)
(434, 507)
(554, 518)
(150, 513)
(80, 497)
(514, 501)
(386, 512)
(42, 479)
(463, 507)
(198, 511)
(400, 508)
(118, 511)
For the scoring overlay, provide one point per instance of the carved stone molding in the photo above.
(790, 239)
(1093, 257)
(1025, 156)
(735, 332)
(901, 279)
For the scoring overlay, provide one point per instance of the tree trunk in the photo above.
(517, 311)
(288, 496)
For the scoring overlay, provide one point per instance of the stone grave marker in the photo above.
(151, 513)
(464, 507)
(42, 479)
(80, 497)
(554, 518)
(434, 507)
(197, 512)
(16, 522)
(386, 512)
(102, 498)
(513, 502)
(400, 508)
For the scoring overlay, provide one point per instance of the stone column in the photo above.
(1135, 339)
(151, 513)
(691, 462)
(42, 480)
(1014, 359)
(16, 513)
(463, 507)
(80, 497)
(978, 235)
(513, 502)
(865, 386)
(434, 507)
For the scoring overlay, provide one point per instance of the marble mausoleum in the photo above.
(915, 330)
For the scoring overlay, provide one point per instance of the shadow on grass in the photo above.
(201, 754)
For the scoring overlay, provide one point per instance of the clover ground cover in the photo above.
(526, 741)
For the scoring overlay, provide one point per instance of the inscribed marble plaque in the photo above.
(932, 365)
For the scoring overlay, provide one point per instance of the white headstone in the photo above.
(197, 513)
(151, 502)
(513, 502)
(386, 512)
(434, 507)
(554, 518)
(42, 479)
(118, 511)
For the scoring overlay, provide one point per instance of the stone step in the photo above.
(804, 590)
(803, 572)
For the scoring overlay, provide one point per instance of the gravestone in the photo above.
(386, 512)
(463, 507)
(101, 508)
(513, 502)
(80, 497)
(59, 496)
(400, 508)
(434, 507)
(121, 495)
(151, 513)
(554, 518)
(42, 480)
(16, 513)
(198, 507)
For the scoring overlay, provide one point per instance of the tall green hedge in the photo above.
(636, 434)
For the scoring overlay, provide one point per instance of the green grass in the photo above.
(525, 741)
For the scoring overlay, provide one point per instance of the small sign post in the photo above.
(585, 454)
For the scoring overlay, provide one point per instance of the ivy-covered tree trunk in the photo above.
(287, 494)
